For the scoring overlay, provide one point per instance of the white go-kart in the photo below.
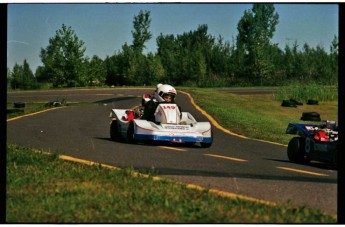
(170, 125)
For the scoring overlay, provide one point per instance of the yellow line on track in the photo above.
(173, 148)
(90, 163)
(227, 157)
(231, 195)
(31, 114)
(302, 171)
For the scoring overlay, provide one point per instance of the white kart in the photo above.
(170, 126)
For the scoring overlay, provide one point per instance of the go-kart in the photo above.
(315, 142)
(170, 125)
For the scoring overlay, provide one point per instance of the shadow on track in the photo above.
(318, 165)
(186, 172)
(151, 143)
(115, 99)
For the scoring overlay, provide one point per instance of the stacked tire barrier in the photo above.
(310, 116)
(306, 116)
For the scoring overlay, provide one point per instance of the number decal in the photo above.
(169, 107)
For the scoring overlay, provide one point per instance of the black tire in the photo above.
(312, 102)
(335, 159)
(287, 103)
(207, 145)
(295, 150)
(295, 102)
(190, 144)
(130, 133)
(311, 116)
(114, 134)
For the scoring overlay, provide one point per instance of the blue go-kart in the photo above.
(314, 142)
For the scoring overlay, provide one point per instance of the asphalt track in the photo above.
(247, 167)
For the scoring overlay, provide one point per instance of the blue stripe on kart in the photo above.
(173, 138)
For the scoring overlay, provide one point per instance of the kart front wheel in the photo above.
(295, 150)
(114, 135)
(130, 133)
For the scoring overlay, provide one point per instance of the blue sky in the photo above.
(106, 27)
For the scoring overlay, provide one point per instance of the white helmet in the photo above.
(158, 85)
(163, 90)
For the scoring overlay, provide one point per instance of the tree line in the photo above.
(194, 58)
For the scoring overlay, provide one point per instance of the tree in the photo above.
(22, 77)
(154, 70)
(29, 78)
(64, 59)
(295, 63)
(96, 72)
(42, 75)
(255, 29)
(8, 78)
(129, 66)
(113, 65)
(167, 51)
(334, 55)
(17, 76)
(141, 32)
(187, 57)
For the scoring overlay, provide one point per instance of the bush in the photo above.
(305, 91)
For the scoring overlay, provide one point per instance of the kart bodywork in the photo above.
(170, 126)
(315, 142)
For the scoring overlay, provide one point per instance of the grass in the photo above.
(29, 108)
(308, 91)
(45, 189)
(257, 116)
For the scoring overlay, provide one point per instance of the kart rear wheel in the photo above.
(207, 145)
(114, 135)
(335, 159)
(295, 150)
(130, 133)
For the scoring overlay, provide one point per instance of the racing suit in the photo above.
(150, 109)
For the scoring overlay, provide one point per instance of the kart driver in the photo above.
(165, 94)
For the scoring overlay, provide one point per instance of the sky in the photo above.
(104, 28)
